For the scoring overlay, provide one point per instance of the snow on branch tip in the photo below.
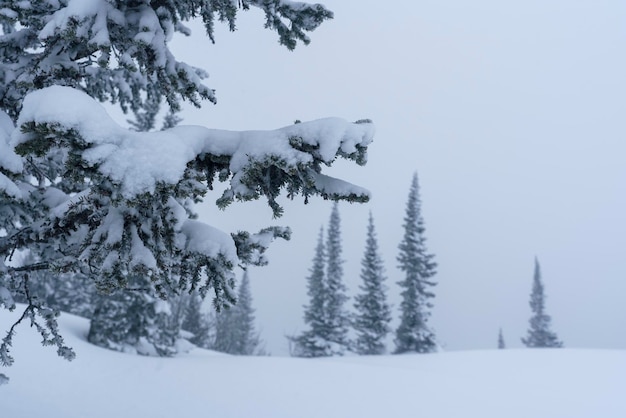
(256, 163)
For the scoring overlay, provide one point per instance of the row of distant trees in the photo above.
(136, 320)
(327, 317)
(329, 322)
(133, 320)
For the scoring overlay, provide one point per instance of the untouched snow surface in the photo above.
(484, 384)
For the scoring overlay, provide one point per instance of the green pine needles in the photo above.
(414, 333)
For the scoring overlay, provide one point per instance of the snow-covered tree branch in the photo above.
(129, 214)
(83, 195)
(116, 50)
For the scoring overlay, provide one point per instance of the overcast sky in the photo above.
(513, 115)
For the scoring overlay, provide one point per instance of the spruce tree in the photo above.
(197, 322)
(336, 317)
(225, 335)
(249, 341)
(235, 330)
(326, 316)
(501, 343)
(373, 313)
(539, 334)
(66, 292)
(312, 342)
(88, 196)
(414, 334)
(133, 320)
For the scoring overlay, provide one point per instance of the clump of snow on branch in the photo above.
(139, 161)
(134, 215)
(9, 161)
(205, 239)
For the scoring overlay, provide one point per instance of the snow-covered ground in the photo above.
(566, 383)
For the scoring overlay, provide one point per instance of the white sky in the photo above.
(512, 114)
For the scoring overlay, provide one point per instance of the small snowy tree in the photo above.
(337, 317)
(414, 334)
(373, 313)
(197, 322)
(235, 329)
(326, 315)
(67, 292)
(312, 342)
(86, 195)
(249, 341)
(539, 334)
(501, 343)
(133, 320)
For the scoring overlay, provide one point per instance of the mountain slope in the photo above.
(512, 383)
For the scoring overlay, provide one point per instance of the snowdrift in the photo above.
(535, 383)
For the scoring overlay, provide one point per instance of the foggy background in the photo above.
(513, 115)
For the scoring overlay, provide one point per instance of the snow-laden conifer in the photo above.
(88, 196)
(118, 50)
(326, 316)
(249, 341)
(414, 333)
(540, 334)
(501, 343)
(197, 322)
(313, 342)
(235, 327)
(133, 320)
(66, 292)
(373, 313)
(337, 317)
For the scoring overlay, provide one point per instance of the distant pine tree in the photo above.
(235, 330)
(413, 333)
(539, 333)
(326, 316)
(337, 318)
(225, 334)
(134, 320)
(501, 343)
(197, 322)
(312, 342)
(373, 313)
(67, 292)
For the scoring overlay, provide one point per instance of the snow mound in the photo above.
(558, 383)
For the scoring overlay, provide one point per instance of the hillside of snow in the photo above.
(566, 383)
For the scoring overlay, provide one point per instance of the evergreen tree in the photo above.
(326, 316)
(312, 342)
(197, 322)
(413, 334)
(249, 342)
(539, 334)
(225, 335)
(501, 343)
(337, 318)
(235, 330)
(102, 330)
(87, 196)
(134, 320)
(373, 313)
(72, 293)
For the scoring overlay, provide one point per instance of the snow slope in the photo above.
(505, 383)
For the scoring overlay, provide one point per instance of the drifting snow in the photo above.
(558, 383)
